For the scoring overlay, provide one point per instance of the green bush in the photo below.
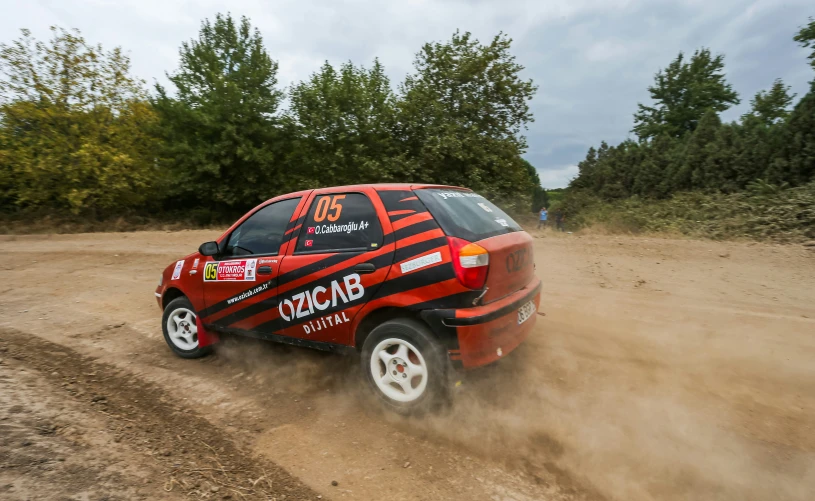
(781, 215)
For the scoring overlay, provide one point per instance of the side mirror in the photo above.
(208, 249)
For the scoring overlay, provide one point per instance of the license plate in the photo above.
(526, 311)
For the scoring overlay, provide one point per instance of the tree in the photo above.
(659, 161)
(586, 169)
(684, 145)
(806, 37)
(616, 167)
(720, 170)
(693, 173)
(461, 115)
(223, 142)
(795, 162)
(344, 121)
(73, 126)
(601, 170)
(538, 195)
(758, 146)
(683, 93)
(771, 106)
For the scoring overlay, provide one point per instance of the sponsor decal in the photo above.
(251, 292)
(267, 261)
(516, 260)
(420, 262)
(484, 206)
(231, 271)
(177, 271)
(321, 298)
(310, 230)
(309, 243)
(328, 229)
(195, 264)
(325, 322)
(457, 194)
(374, 245)
(502, 222)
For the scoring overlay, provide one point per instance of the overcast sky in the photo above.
(592, 59)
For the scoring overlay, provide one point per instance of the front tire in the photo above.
(181, 329)
(405, 367)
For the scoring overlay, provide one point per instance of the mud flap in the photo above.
(205, 337)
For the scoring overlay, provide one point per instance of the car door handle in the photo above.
(365, 268)
(265, 270)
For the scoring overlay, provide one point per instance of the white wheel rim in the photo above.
(182, 328)
(399, 370)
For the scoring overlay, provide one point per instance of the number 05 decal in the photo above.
(328, 204)
(211, 271)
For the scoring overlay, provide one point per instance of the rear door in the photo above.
(336, 265)
(470, 216)
(244, 276)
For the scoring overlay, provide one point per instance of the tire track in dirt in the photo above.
(191, 456)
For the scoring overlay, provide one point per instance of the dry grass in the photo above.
(785, 216)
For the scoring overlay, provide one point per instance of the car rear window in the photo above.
(466, 215)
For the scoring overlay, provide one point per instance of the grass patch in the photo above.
(783, 215)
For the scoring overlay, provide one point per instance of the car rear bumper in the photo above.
(483, 334)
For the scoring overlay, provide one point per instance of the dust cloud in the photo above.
(623, 417)
(616, 436)
(295, 370)
(691, 389)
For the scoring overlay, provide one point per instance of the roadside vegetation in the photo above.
(84, 140)
(85, 145)
(689, 172)
(763, 212)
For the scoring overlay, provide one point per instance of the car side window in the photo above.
(339, 222)
(263, 231)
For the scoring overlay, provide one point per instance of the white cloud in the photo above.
(614, 49)
(557, 177)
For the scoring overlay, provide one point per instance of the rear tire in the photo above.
(181, 330)
(405, 367)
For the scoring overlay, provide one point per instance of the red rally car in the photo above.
(418, 279)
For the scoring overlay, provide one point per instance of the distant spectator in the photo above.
(559, 218)
(544, 215)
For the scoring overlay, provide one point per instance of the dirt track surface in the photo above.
(664, 369)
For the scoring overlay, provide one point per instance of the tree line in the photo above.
(682, 144)
(80, 133)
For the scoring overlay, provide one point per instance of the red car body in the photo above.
(330, 299)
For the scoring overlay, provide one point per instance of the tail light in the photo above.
(470, 261)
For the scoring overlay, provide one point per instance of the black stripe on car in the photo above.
(401, 200)
(272, 302)
(413, 250)
(398, 285)
(381, 261)
(326, 262)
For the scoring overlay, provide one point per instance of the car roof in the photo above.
(392, 186)
(376, 186)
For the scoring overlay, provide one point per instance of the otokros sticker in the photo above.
(235, 271)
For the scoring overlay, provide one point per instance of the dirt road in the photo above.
(664, 369)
